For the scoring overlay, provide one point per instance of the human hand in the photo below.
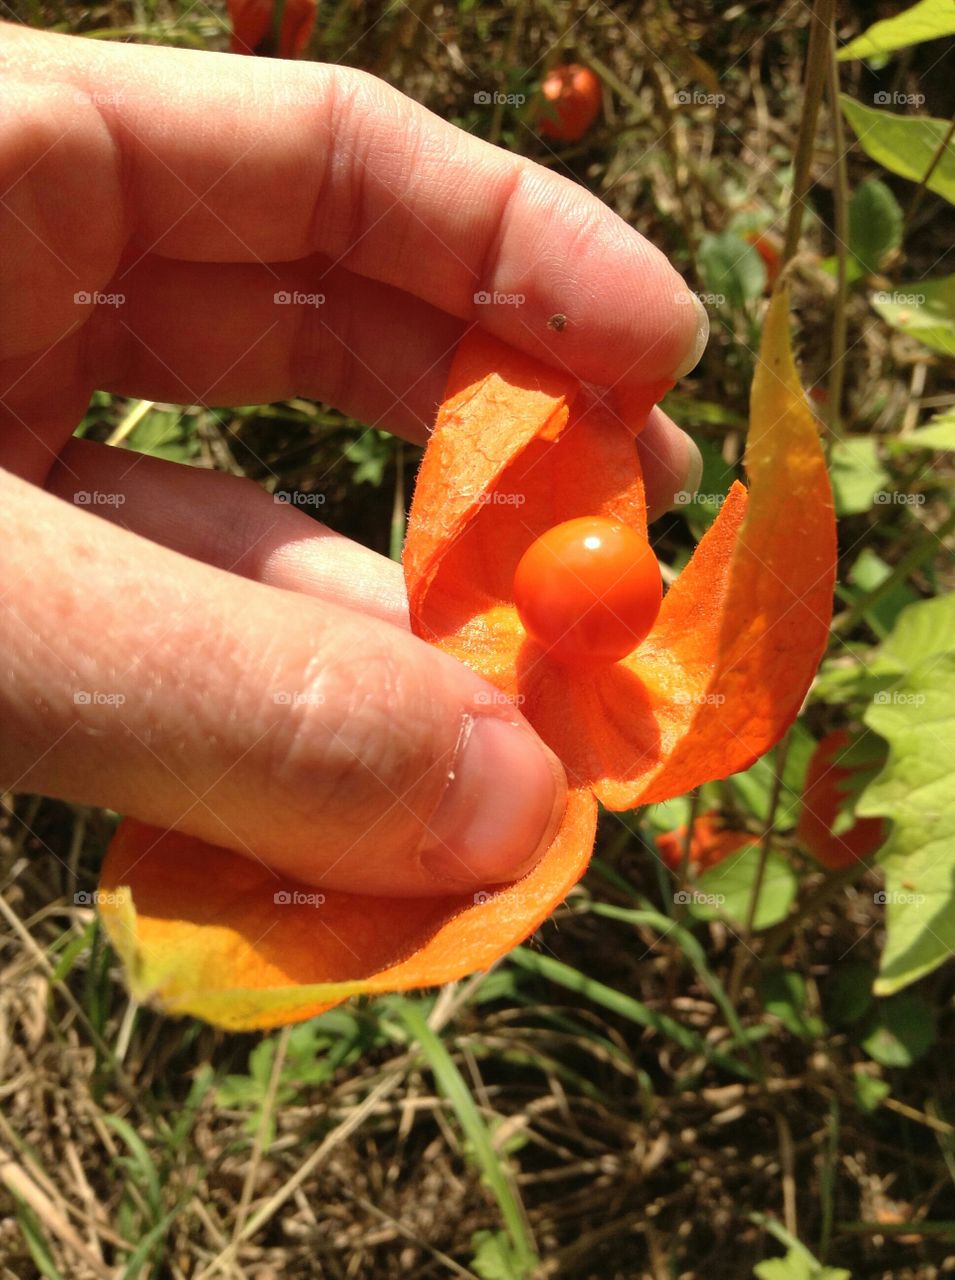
(204, 658)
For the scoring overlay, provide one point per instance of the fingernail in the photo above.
(503, 804)
(699, 342)
(694, 466)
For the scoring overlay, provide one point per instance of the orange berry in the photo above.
(573, 98)
(588, 590)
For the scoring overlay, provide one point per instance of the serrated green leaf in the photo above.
(928, 20)
(938, 434)
(925, 310)
(875, 224)
(914, 791)
(856, 473)
(906, 145)
(900, 1030)
(922, 631)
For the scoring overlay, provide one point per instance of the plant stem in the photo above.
(921, 188)
(744, 951)
(398, 518)
(838, 349)
(817, 59)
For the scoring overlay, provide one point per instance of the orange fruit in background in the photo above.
(572, 100)
(253, 23)
(770, 249)
(823, 793)
(710, 842)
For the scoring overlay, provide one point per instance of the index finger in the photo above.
(227, 159)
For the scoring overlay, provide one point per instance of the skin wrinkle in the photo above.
(489, 259)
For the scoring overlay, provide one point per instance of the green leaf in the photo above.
(938, 434)
(847, 995)
(732, 270)
(875, 224)
(923, 631)
(702, 508)
(725, 890)
(494, 1256)
(906, 145)
(928, 20)
(900, 1030)
(795, 1267)
(870, 1091)
(926, 310)
(165, 433)
(917, 718)
(856, 473)
(854, 268)
(783, 993)
(869, 572)
(754, 787)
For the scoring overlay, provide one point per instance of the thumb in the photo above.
(335, 748)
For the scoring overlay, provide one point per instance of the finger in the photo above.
(232, 524)
(195, 333)
(337, 749)
(672, 464)
(256, 161)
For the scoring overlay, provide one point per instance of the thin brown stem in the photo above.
(920, 190)
(817, 59)
(841, 195)
(744, 951)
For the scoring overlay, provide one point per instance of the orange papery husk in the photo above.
(517, 448)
